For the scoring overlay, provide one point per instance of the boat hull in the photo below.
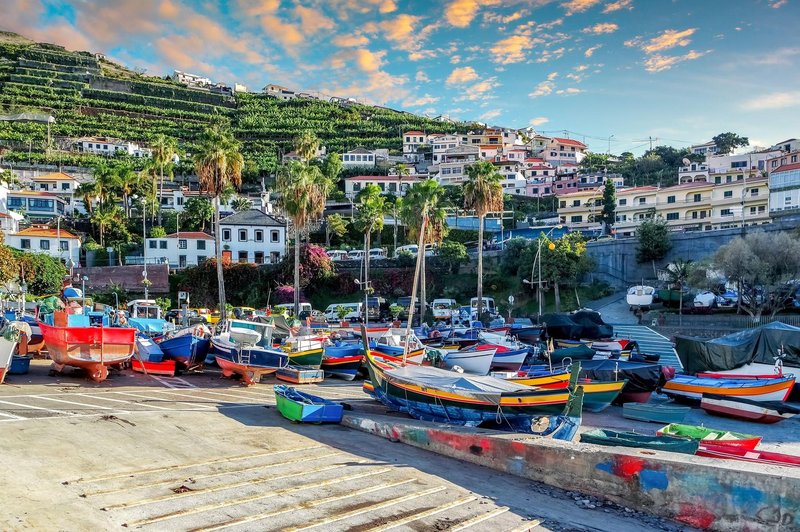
(753, 371)
(757, 411)
(511, 360)
(250, 363)
(90, 348)
(684, 387)
(712, 438)
(346, 350)
(306, 408)
(7, 348)
(753, 456)
(164, 367)
(552, 382)
(343, 367)
(186, 350)
(597, 396)
(664, 414)
(639, 441)
(311, 357)
(475, 362)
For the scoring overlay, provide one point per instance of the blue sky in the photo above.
(677, 70)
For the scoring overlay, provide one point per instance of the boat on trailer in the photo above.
(747, 409)
(245, 348)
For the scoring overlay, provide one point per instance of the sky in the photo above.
(613, 73)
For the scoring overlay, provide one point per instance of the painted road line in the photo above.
(386, 503)
(130, 403)
(422, 515)
(214, 489)
(303, 506)
(225, 394)
(173, 382)
(25, 407)
(528, 526)
(12, 416)
(190, 396)
(160, 400)
(479, 519)
(72, 402)
(187, 466)
(212, 475)
(261, 496)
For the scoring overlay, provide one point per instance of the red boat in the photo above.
(92, 348)
(741, 408)
(755, 456)
(165, 367)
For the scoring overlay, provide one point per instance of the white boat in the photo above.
(640, 296)
(7, 348)
(705, 299)
(474, 362)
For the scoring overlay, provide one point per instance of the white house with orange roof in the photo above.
(514, 181)
(182, 249)
(57, 243)
(57, 183)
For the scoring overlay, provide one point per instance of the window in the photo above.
(787, 200)
(64, 186)
(201, 244)
(761, 209)
(623, 201)
(717, 180)
(356, 187)
(794, 158)
(694, 215)
(562, 204)
(576, 203)
(274, 236)
(753, 192)
(181, 261)
(274, 257)
(729, 179)
(673, 216)
(162, 244)
(226, 234)
(63, 245)
(201, 259)
(739, 164)
(242, 256)
(576, 219)
(259, 235)
(752, 210)
(44, 244)
(642, 201)
(670, 199)
(697, 197)
(408, 139)
(726, 212)
(728, 194)
(242, 235)
(258, 257)
(152, 244)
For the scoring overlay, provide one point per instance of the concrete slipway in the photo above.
(201, 453)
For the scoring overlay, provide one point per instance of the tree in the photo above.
(197, 212)
(727, 142)
(164, 149)
(332, 168)
(423, 206)
(653, 241)
(304, 190)
(369, 219)
(765, 266)
(218, 164)
(158, 232)
(125, 184)
(609, 215)
(678, 274)
(483, 193)
(104, 179)
(564, 262)
(337, 225)
(88, 193)
(241, 204)
(103, 217)
(453, 254)
(306, 146)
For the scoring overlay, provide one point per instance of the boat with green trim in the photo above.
(303, 407)
(712, 438)
(655, 413)
(597, 395)
(639, 441)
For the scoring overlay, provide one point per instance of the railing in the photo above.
(137, 260)
(726, 321)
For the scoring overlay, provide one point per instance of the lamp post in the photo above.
(23, 288)
(83, 290)
(366, 287)
(538, 260)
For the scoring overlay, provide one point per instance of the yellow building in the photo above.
(696, 206)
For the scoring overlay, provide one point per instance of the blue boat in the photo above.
(186, 349)
(148, 350)
(145, 316)
(245, 348)
(342, 349)
(306, 408)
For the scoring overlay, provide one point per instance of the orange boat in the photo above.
(92, 348)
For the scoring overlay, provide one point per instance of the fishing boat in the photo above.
(303, 407)
(443, 396)
(714, 439)
(535, 376)
(643, 377)
(300, 374)
(663, 414)
(755, 456)
(686, 387)
(145, 315)
(164, 367)
(245, 348)
(640, 296)
(639, 441)
(343, 367)
(304, 351)
(188, 347)
(147, 349)
(475, 362)
(393, 342)
(747, 409)
(580, 352)
(597, 396)
(342, 349)
(7, 349)
(90, 348)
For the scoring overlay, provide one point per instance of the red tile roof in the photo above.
(382, 178)
(195, 235)
(415, 132)
(45, 232)
(571, 142)
(786, 167)
(56, 176)
(30, 193)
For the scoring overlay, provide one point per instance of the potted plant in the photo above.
(341, 312)
(395, 311)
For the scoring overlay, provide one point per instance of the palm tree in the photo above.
(88, 192)
(422, 205)
(306, 146)
(678, 273)
(218, 164)
(371, 208)
(241, 204)
(163, 148)
(304, 190)
(402, 171)
(104, 178)
(104, 217)
(483, 193)
(126, 183)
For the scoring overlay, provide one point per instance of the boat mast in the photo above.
(420, 251)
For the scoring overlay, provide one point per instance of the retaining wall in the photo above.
(704, 493)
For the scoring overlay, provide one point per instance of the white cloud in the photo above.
(601, 27)
(539, 121)
(427, 99)
(658, 62)
(422, 76)
(616, 6)
(578, 6)
(777, 4)
(490, 115)
(462, 75)
(542, 89)
(773, 100)
(590, 51)
(666, 40)
(569, 91)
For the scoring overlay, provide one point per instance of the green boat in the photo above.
(672, 297)
(598, 395)
(639, 441)
(310, 357)
(581, 352)
(712, 438)
(303, 407)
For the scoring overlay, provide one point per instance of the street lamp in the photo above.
(23, 288)
(538, 259)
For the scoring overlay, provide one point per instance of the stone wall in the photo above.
(130, 277)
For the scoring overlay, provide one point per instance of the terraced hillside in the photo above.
(90, 96)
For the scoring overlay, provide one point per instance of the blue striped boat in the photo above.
(342, 349)
(187, 350)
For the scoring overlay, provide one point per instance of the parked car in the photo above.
(405, 303)
(176, 316)
(487, 305)
(444, 309)
(243, 313)
(411, 249)
(354, 311)
(338, 254)
(378, 309)
(377, 254)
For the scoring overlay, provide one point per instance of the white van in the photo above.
(356, 254)
(305, 308)
(487, 305)
(353, 312)
(444, 309)
(337, 254)
(411, 248)
(377, 254)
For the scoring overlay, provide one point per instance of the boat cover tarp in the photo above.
(744, 347)
(642, 376)
(582, 324)
(454, 382)
(581, 352)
